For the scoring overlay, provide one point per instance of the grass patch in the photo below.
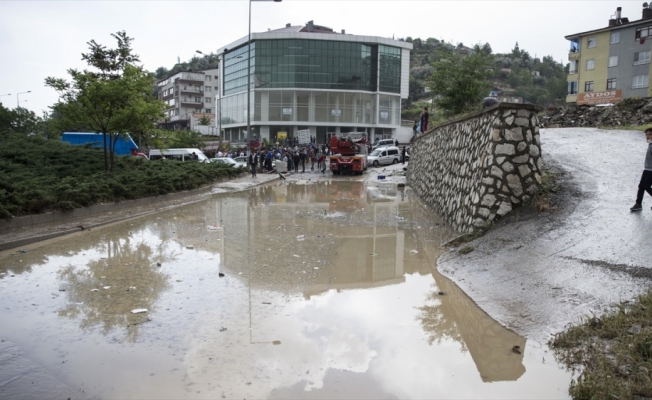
(466, 250)
(543, 200)
(39, 175)
(613, 353)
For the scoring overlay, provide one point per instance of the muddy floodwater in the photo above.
(303, 290)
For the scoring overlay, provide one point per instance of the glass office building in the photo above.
(309, 77)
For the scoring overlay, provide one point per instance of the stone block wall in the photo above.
(475, 169)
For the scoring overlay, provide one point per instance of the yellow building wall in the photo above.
(599, 53)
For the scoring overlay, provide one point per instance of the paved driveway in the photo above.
(537, 272)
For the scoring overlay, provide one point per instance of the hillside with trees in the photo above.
(517, 74)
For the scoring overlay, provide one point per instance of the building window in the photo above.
(590, 64)
(574, 66)
(615, 38)
(208, 89)
(208, 100)
(611, 83)
(643, 32)
(588, 86)
(642, 57)
(572, 87)
(208, 78)
(591, 42)
(613, 61)
(640, 81)
(209, 110)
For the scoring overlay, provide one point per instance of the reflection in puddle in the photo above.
(329, 291)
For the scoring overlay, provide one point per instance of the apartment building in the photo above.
(611, 63)
(189, 96)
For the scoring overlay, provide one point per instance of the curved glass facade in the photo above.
(314, 64)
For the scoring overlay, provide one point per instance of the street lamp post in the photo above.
(249, 78)
(18, 99)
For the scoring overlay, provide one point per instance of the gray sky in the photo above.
(44, 38)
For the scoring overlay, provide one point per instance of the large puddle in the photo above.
(329, 291)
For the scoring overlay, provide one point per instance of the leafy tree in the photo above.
(113, 99)
(204, 121)
(460, 82)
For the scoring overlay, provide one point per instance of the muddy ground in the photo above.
(535, 273)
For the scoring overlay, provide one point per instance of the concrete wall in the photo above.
(475, 169)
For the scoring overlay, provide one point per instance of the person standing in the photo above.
(403, 156)
(253, 163)
(645, 185)
(424, 120)
(302, 156)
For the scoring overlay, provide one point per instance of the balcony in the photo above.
(574, 55)
(192, 102)
(184, 76)
(188, 89)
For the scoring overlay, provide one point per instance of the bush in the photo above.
(39, 175)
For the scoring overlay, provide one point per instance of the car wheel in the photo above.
(395, 161)
(375, 164)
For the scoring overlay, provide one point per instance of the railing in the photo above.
(192, 90)
(191, 77)
(191, 101)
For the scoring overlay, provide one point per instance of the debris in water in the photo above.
(400, 218)
(221, 275)
(316, 268)
(373, 254)
(22, 251)
(190, 247)
(95, 290)
(179, 280)
(517, 349)
(222, 329)
(264, 302)
(213, 228)
(138, 310)
(107, 287)
(276, 342)
(158, 264)
(294, 255)
(413, 251)
(441, 293)
(301, 237)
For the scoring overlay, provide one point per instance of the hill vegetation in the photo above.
(517, 74)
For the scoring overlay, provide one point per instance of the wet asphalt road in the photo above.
(536, 273)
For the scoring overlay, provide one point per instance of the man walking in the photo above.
(253, 163)
(645, 185)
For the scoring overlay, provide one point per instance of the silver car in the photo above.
(385, 156)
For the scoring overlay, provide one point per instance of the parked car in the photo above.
(228, 161)
(178, 155)
(244, 160)
(383, 143)
(385, 156)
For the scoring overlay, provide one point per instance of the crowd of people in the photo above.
(295, 158)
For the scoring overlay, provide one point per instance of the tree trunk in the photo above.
(106, 159)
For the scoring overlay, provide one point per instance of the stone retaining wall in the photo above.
(475, 169)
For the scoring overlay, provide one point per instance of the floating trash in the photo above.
(139, 311)
(190, 247)
(95, 290)
(413, 251)
(107, 287)
(301, 237)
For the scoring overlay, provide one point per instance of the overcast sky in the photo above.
(44, 38)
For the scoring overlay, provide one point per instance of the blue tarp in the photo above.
(122, 147)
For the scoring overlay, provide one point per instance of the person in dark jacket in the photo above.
(253, 163)
(424, 120)
(645, 185)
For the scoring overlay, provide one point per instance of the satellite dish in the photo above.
(644, 5)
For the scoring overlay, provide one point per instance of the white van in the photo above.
(385, 156)
(178, 155)
(383, 143)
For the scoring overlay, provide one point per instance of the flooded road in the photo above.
(329, 290)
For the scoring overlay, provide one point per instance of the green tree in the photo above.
(113, 99)
(460, 82)
(204, 121)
